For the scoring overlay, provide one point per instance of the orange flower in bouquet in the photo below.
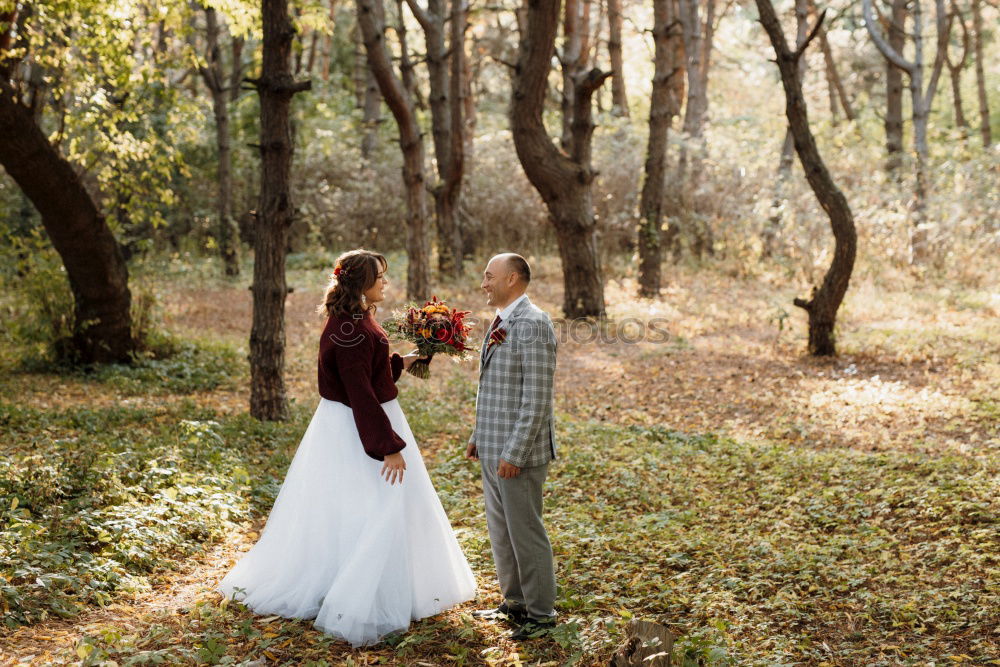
(434, 328)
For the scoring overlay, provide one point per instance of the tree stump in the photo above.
(647, 644)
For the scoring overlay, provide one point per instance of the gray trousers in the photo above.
(521, 549)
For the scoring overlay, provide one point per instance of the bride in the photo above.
(357, 537)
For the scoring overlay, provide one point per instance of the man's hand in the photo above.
(508, 470)
(472, 452)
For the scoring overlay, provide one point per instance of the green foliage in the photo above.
(752, 552)
(94, 501)
(41, 321)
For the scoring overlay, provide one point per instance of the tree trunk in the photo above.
(453, 184)
(564, 181)
(662, 109)
(693, 111)
(236, 75)
(922, 99)
(468, 108)
(276, 86)
(328, 43)
(787, 156)
(445, 191)
(214, 79)
(575, 35)
(405, 64)
(894, 89)
(984, 107)
(93, 260)
(823, 306)
(835, 83)
(619, 99)
(371, 21)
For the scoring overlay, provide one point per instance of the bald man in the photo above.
(514, 441)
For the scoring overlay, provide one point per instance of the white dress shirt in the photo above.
(505, 313)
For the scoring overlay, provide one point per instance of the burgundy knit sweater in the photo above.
(355, 369)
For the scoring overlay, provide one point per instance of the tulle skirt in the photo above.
(342, 546)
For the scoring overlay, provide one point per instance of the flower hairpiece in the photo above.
(338, 270)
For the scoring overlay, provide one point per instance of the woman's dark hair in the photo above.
(355, 272)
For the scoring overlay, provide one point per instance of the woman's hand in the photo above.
(392, 468)
(410, 358)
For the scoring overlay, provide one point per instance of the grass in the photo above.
(769, 508)
(753, 552)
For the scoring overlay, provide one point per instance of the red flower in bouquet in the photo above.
(434, 328)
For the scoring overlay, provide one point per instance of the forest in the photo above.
(767, 233)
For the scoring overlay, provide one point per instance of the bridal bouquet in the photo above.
(433, 328)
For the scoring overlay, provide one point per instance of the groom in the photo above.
(514, 442)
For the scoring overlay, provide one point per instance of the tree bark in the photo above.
(894, 89)
(371, 21)
(955, 70)
(95, 267)
(214, 79)
(440, 68)
(367, 96)
(457, 91)
(823, 306)
(563, 180)
(833, 76)
(275, 212)
(328, 43)
(984, 107)
(619, 98)
(405, 64)
(236, 75)
(787, 156)
(662, 109)
(570, 59)
(922, 99)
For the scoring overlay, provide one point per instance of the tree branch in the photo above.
(812, 35)
(423, 18)
(943, 20)
(887, 51)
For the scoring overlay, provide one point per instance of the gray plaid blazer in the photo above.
(514, 418)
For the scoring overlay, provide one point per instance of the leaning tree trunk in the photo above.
(662, 109)
(276, 86)
(984, 107)
(371, 21)
(563, 179)
(822, 307)
(214, 79)
(619, 98)
(95, 267)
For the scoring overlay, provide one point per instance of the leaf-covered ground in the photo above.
(771, 508)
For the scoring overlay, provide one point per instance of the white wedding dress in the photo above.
(343, 546)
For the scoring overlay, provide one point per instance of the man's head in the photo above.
(506, 278)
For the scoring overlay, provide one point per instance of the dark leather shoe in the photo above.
(532, 629)
(502, 613)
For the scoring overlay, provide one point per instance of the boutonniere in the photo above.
(497, 338)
